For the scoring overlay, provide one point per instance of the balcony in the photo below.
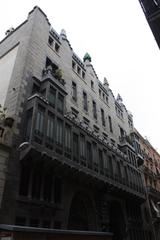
(55, 75)
(153, 192)
(126, 141)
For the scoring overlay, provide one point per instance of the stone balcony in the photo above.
(53, 75)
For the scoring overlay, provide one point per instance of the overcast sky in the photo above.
(116, 35)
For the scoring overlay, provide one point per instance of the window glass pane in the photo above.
(40, 120)
(52, 97)
(68, 137)
(50, 126)
(59, 132)
(60, 103)
(82, 146)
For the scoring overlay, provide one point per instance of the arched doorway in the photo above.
(81, 216)
(117, 222)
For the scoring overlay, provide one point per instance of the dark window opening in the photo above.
(52, 96)
(50, 128)
(110, 166)
(60, 103)
(110, 124)
(89, 155)
(101, 163)
(40, 121)
(103, 117)
(73, 65)
(94, 110)
(50, 65)
(92, 84)
(85, 104)
(95, 157)
(75, 147)
(57, 47)
(68, 138)
(59, 132)
(74, 91)
(78, 70)
(29, 123)
(50, 41)
(82, 147)
(83, 75)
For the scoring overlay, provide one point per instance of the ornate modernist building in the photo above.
(151, 9)
(74, 162)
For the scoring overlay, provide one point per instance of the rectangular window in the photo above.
(78, 70)
(52, 97)
(103, 117)
(73, 65)
(94, 110)
(95, 157)
(83, 75)
(119, 170)
(29, 123)
(85, 104)
(110, 166)
(110, 124)
(40, 121)
(57, 190)
(105, 162)
(101, 164)
(82, 146)
(74, 91)
(68, 138)
(50, 41)
(59, 132)
(75, 147)
(92, 84)
(50, 127)
(57, 47)
(89, 154)
(60, 103)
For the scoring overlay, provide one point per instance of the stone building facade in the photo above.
(73, 163)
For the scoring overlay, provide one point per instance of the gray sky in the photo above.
(119, 40)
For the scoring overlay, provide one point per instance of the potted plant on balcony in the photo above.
(58, 74)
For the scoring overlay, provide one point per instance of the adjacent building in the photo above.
(151, 177)
(73, 161)
(151, 9)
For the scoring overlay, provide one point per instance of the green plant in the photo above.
(58, 74)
